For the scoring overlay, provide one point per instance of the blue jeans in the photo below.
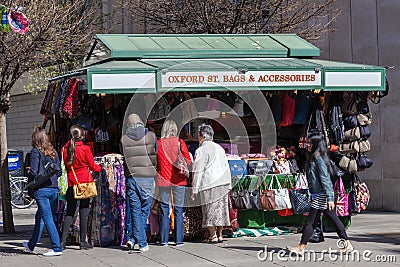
(178, 193)
(139, 192)
(47, 201)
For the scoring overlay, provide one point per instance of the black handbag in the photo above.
(300, 199)
(362, 107)
(337, 172)
(241, 198)
(350, 121)
(47, 168)
(318, 234)
(260, 167)
(364, 132)
(353, 206)
(364, 162)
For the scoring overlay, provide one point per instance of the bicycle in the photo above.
(19, 196)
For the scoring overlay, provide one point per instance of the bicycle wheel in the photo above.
(19, 196)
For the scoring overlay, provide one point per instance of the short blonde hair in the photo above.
(169, 129)
(134, 119)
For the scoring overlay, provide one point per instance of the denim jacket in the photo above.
(319, 179)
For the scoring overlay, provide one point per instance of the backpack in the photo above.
(335, 121)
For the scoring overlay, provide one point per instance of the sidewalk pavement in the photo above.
(374, 235)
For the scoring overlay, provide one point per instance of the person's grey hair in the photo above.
(169, 129)
(206, 131)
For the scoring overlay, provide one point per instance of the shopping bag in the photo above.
(342, 199)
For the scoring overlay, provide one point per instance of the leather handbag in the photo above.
(364, 119)
(267, 198)
(353, 205)
(342, 199)
(255, 193)
(365, 146)
(351, 147)
(352, 134)
(84, 190)
(364, 162)
(282, 199)
(348, 164)
(180, 163)
(300, 196)
(241, 198)
(337, 172)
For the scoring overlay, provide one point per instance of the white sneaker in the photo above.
(52, 253)
(25, 244)
(130, 244)
(143, 249)
(179, 245)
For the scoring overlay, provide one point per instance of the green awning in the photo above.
(189, 46)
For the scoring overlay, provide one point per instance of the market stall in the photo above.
(261, 94)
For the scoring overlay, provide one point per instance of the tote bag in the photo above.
(342, 199)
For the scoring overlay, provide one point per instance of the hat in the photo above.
(134, 119)
(18, 22)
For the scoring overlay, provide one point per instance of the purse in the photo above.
(352, 134)
(362, 191)
(349, 107)
(63, 179)
(255, 193)
(47, 168)
(84, 190)
(362, 107)
(267, 197)
(364, 162)
(180, 163)
(365, 132)
(282, 199)
(287, 211)
(342, 199)
(352, 147)
(353, 205)
(337, 172)
(233, 214)
(364, 119)
(365, 146)
(241, 198)
(350, 121)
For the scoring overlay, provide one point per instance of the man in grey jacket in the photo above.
(139, 147)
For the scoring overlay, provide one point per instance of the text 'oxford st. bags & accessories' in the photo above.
(84, 190)
(300, 196)
(47, 168)
(241, 198)
(342, 198)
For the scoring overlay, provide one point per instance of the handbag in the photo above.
(46, 169)
(241, 198)
(352, 147)
(362, 192)
(318, 234)
(282, 199)
(63, 179)
(342, 199)
(255, 193)
(287, 211)
(362, 107)
(349, 107)
(364, 119)
(337, 172)
(233, 214)
(267, 197)
(84, 190)
(259, 167)
(353, 205)
(350, 121)
(352, 134)
(364, 162)
(365, 132)
(365, 146)
(180, 163)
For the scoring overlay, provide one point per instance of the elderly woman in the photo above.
(212, 181)
(170, 181)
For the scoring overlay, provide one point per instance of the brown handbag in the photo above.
(83, 190)
(267, 197)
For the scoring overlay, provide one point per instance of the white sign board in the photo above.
(123, 81)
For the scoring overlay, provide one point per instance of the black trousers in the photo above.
(308, 228)
(71, 202)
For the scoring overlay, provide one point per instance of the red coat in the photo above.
(167, 153)
(83, 162)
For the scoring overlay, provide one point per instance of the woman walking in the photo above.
(318, 172)
(78, 160)
(170, 182)
(212, 181)
(46, 194)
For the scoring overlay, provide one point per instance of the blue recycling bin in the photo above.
(16, 166)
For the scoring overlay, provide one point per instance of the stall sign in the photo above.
(123, 81)
(247, 79)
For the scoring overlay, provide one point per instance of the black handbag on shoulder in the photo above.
(47, 168)
(318, 234)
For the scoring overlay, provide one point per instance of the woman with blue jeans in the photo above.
(171, 183)
(46, 195)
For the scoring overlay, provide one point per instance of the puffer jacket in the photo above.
(167, 154)
(319, 179)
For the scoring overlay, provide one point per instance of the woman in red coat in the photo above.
(78, 160)
(170, 181)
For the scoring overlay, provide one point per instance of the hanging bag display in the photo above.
(363, 162)
(84, 190)
(267, 197)
(350, 121)
(336, 127)
(342, 199)
(365, 133)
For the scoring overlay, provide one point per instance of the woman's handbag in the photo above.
(362, 191)
(365, 146)
(342, 199)
(282, 198)
(364, 119)
(255, 193)
(350, 121)
(362, 107)
(287, 211)
(241, 198)
(363, 162)
(84, 190)
(349, 107)
(267, 197)
(180, 163)
(353, 205)
(352, 147)
(300, 196)
(364, 132)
